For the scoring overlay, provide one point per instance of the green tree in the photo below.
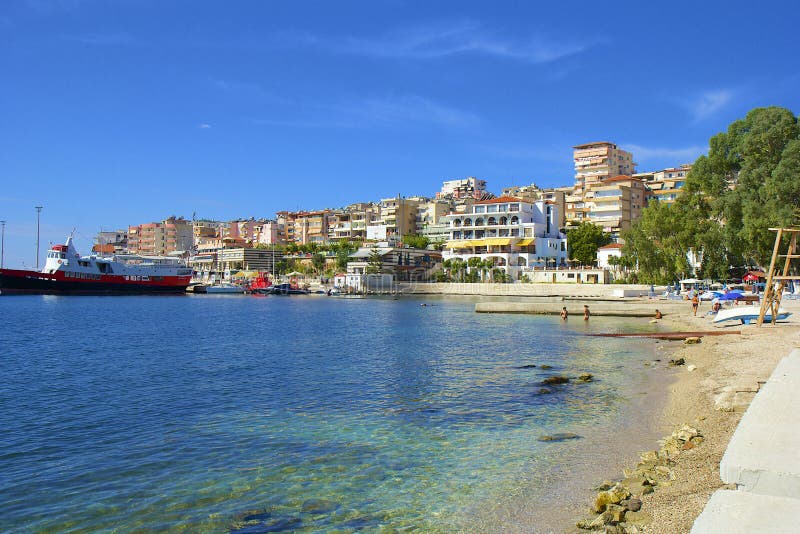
(374, 262)
(584, 240)
(416, 240)
(746, 184)
(318, 261)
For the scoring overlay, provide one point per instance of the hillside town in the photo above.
(463, 232)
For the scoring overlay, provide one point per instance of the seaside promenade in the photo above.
(761, 464)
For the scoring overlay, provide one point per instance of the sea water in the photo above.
(308, 413)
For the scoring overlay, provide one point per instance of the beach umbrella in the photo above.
(729, 296)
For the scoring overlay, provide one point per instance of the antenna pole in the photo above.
(38, 212)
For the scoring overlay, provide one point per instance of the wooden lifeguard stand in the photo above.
(772, 295)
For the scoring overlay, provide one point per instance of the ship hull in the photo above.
(33, 282)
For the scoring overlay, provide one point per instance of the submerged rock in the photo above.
(544, 391)
(555, 380)
(586, 377)
(561, 436)
(527, 366)
(545, 366)
(679, 361)
(319, 506)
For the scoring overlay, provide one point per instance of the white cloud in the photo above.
(440, 40)
(204, 126)
(410, 108)
(378, 111)
(678, 155)
(707, 103)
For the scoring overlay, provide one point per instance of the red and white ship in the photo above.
(66, 271)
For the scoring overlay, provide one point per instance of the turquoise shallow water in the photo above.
(265, 414)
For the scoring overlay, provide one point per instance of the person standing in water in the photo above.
(585, 312)
(564, 313)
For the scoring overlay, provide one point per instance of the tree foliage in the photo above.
(416, 240)
(748, 182)
(374, 262)
(584, 240)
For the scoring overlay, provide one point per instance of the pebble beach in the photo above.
(716, 382)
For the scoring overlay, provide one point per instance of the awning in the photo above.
(497, 241)
(525, 242)
(460, 243)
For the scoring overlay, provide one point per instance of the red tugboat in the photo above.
(67, 272)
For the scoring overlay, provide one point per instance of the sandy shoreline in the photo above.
(712, 399)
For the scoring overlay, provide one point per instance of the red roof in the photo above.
(499, 200)
(610, 246)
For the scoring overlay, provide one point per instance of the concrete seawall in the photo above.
(762, 462)
(525, 290)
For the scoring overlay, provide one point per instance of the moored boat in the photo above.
(224, 287)
(747, 314)
(67, 272)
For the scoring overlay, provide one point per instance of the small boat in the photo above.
(287, 289)
(224, 287)
(747, 314)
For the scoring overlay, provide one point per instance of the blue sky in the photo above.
(127, 111)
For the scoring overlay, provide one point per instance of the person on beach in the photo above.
(564, 313)
(585, 312)
(695, 304)
(658, 315)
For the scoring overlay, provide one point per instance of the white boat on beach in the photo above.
(746, 314)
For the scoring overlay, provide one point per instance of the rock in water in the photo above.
(586, 377)
(544, 391)
(527, 366)
(545, 366)
(555, 380)
(319, 506)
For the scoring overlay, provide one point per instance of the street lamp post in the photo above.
(2, 242)
(38, 212)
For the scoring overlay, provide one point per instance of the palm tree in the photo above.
(475, 264)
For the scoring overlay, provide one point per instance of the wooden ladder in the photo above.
(772, 294)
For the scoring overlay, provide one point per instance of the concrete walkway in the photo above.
(763, 461)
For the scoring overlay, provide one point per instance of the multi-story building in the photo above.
(159, 239)
(469, 187)
(115, 242)
(429, 213)
(398, 218)
(557, 196)
(615, 203)
(516, 235)
(595, 162)
(403, 264)
(303, 227)
(362, 215)
(269, 233)
(664, 185)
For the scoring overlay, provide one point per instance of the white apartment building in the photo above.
(516, 235)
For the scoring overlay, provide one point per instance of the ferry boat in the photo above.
(67, 272)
